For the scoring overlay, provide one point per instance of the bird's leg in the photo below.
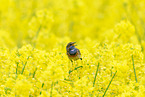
(71, 66)
(81, 60)
(71, 62)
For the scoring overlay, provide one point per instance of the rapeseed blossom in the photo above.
(109, 34)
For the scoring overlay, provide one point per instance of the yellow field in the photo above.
(109, 33)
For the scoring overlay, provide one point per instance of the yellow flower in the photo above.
(22, 88)
(33, 38)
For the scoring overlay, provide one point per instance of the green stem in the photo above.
(37, 33)
(42, 87)
(96, 75)
(51, 89)
(109, 84)
(17, 70)
(75, 69)
(34, 72)
(134, 68)
(24, 65)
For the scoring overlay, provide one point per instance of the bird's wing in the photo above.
(78, 51)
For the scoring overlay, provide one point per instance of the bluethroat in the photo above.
(72, 52)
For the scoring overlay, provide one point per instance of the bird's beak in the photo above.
(74, 44)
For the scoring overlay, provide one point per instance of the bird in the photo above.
(72, 52)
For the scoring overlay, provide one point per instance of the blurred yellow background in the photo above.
(42, 23)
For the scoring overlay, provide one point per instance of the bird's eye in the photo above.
(71, 47)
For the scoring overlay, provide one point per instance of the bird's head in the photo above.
(70, 44)
(71, 47)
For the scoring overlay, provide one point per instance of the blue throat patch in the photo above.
(73, 51)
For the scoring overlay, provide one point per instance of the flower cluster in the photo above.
(33, 39)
